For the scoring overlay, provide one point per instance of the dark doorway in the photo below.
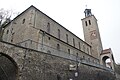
(8, 68)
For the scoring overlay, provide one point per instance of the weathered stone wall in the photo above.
(117, 76)
(35, 65)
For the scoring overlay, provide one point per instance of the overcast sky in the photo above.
(70, 12)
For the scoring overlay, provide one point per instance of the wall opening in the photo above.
(86, 23)
(89, 22)
(8, 68)
(106, 61)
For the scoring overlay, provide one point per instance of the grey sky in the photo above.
(70, 12)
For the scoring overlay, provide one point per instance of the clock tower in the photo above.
(91, 33)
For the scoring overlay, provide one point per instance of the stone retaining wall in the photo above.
(36, 65)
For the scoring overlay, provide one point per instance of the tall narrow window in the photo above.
(68, 51)
(58, 47)
(73, 42)
(48, 38)
(86, 23)
(59, 33)
(89, 22)
(83, 47)
(7, 31)
(76, 56)
(79, 45)
(48, 27)
(88, 50)
(23, 21)
(67, 38)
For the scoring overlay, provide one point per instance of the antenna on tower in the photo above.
(86, 6)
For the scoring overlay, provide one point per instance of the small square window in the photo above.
(11, 40)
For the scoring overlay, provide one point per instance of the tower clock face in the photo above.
(93, 34)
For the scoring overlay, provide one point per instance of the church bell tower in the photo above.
(91, 33)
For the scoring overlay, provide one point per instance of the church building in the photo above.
(36, 47)
(34, 29)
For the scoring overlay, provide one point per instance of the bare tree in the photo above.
(5, 18)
